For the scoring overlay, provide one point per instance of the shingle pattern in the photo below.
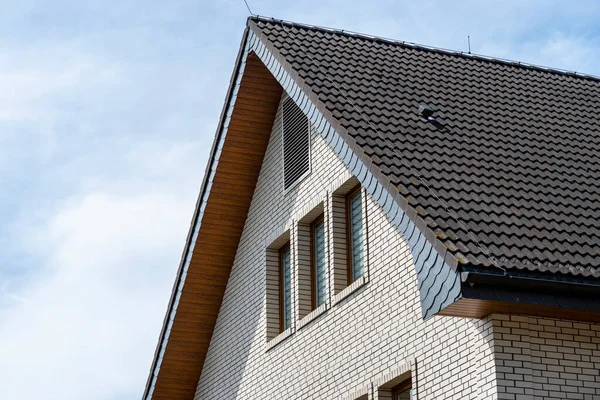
(510, 165)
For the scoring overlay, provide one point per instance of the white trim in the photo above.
(395, 375)
(314, 314)
(337, 184)
(354, 286)
(280, 338)
(279, 237)
(311, 210)
(360, 393)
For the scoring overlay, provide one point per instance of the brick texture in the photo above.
(542, 359)
(369, 333)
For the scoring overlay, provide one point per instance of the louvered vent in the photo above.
(296, 143)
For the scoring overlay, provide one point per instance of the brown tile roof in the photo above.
(510, 165)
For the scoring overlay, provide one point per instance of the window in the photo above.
(312, 262)
(296, 143)
(279, 281)
(354, 235)
(402, 391)
(347, 236)
(285, 288)
(318, 263)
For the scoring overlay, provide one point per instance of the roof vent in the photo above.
(426, 111)
(296, 144)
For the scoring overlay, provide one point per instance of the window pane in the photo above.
(356, 236)
(287, 288)
(406, 395)
(320, 264)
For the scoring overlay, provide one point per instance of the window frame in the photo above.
(313, 264)
(281, 251)
(401, 387)
(351, 193)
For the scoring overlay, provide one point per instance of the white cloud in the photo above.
(28, 90)
(557, 50)
(104, 141)
(86, 325)
(575, 53)
(106, 118)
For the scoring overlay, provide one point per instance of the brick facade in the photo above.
(372, 333)
(540, 358)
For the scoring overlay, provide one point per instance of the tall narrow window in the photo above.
(285, 288)
(319, 264)
(355, 239)
(296, 143)
(403, 391)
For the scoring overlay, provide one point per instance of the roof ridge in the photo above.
(412, 45)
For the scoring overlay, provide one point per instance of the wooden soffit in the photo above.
(236, 160)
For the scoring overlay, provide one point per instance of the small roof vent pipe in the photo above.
(426, 111)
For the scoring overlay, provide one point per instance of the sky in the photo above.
(108, 110)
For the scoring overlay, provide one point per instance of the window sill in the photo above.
(357, 284)
(314, 314)
(279, 338)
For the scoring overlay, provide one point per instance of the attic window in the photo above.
(296, 144)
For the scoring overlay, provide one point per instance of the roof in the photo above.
(503, 180)
(508, 176)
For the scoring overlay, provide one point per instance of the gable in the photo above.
(204, 271)
(246, 361)
(445, 282)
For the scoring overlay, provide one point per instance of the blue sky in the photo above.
(107, 114)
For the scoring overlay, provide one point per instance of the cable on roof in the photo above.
(487, 253)
(249, 10)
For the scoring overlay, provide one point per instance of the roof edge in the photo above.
(204, 189)
(457, 53)
(584, 296)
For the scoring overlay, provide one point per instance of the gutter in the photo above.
(520, 288)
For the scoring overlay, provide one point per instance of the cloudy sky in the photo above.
(107, 114)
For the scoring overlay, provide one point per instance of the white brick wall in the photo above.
(349, 348)
(540, 358)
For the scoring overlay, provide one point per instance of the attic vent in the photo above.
(296, 144)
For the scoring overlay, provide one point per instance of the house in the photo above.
(385, 220)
